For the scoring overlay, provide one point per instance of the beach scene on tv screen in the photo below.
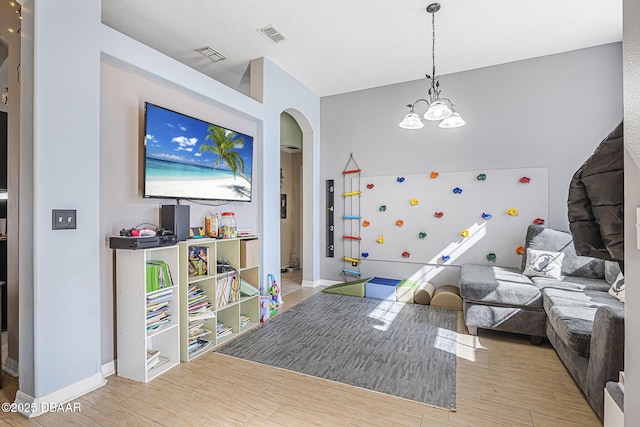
(192, 159)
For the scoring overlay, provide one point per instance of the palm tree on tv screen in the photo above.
(224, 141)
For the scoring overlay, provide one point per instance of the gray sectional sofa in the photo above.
(575, 312)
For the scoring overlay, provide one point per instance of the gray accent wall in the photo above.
(549, 112)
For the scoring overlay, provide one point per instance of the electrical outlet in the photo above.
(64, 219)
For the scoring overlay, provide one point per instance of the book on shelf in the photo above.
(158, 275)
(227, 290)
(199, 306)
(244, 320)
(198, 261)
(247, 289)
(153, 357)
(158, 311)
(223, 330)
(161, 360)
(199, 345)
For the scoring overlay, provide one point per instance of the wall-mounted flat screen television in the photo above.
(188, 158)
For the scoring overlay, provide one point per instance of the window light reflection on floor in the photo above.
(385, 313)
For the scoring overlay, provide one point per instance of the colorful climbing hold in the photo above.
(491, 257)
(538, 221)
(370, 186)
(399, 223)
(422, 235)
(364, 254)
(525, 180)
(457, 190)
(380, 240)
(382, 208)
(486, 215)
(414, 202)
(445, 258)
(434, 174)
(400, 179)
(512, 211)
(464, 233)
(406, 254)
(520, 250)
(438, 214)
(366, 223)
(481, 177)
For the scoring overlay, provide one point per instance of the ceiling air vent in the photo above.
(273, 34)
(212, 54)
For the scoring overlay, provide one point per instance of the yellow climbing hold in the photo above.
(380, 240)
(512, 211)
(414, 202)
(464, 233)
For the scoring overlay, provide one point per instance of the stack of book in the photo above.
(158, 308)
(228, 289)
(244, 320)
(199, 305)
(223, 330)
(158, 276)
(154, 359)
(199, 345)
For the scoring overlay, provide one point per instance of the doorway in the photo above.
(290, 204)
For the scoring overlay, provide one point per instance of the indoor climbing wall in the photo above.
(451, 218)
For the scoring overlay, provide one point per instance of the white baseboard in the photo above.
(316, 283)
(11, 367)
(108, 369)
(32, 407)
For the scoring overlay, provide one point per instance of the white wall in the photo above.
(545, 112)
(59, 293)
(632, 201)
(78, 150)
(123, 94)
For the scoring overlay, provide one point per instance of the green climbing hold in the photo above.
(383, 208)
(422, 235)
(481, 177)
(491, 257)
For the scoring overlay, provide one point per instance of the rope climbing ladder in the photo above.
(351, 217)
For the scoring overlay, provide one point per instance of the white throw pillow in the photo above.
(617, 288)
(543, 264)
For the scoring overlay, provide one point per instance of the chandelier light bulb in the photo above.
(453, 121)
(411, 121)
(438, 108)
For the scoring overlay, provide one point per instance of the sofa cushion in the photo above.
(577, 298)
(543, 264)
(546, 239)
(498, 286)
(617, 288)
(570, 312)
(571, 282)
(611, 271)
(573, 325)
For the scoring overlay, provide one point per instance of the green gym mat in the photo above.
(354, 289)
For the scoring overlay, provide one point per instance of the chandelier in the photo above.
(438, 108)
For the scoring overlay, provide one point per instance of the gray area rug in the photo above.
(405, 350)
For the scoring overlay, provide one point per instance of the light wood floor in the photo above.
(502, 381)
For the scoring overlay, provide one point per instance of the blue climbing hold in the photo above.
(486, 215)
(365, 254)
(446, 258)
(400, 179)
(457, 190)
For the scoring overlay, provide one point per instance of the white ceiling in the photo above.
(338, 46)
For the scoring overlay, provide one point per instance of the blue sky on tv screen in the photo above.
(174, 137)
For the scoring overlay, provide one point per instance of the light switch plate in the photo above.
(63, 219)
